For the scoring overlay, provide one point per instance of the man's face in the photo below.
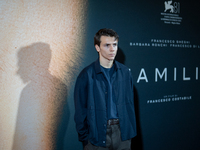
(108, 48)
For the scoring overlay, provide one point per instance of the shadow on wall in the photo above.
(120, 57)
(43, 112)
(136, 143)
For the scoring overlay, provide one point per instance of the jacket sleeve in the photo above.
(80, 101)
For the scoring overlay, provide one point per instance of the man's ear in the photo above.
(97, 48)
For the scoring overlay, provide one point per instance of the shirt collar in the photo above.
(98, 66)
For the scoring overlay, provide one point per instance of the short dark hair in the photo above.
(104, 32)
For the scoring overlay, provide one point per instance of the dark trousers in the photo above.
(113, 140)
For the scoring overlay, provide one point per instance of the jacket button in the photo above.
(104, 141)
(105, 92)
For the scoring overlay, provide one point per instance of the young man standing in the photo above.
(103, 96)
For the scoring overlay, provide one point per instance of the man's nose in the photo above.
(112, 48)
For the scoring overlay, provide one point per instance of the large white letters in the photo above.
(163, 74)
(174, 74)
(184, 77)
(142, 76)
(157, 72)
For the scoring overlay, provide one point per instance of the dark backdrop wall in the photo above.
(45, 44)
(159, 41)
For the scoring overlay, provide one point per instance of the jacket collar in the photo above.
(98, 66)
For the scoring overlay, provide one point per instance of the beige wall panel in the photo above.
(40, 41)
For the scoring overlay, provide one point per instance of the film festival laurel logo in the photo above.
(171, 13)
